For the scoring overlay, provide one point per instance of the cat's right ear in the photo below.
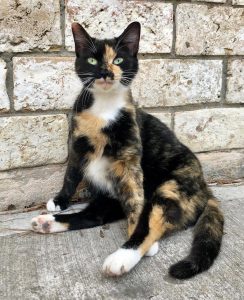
(81, 37)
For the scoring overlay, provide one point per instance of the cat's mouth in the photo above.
(104, 84)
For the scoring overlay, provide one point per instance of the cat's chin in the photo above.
(104, 85)
(107, 87)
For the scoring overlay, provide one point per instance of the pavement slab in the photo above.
(68, 265)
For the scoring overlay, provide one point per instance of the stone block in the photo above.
(107, 19)
(45, 83)
(27, 25)
(209, 30)
(168, 82)
(211, 129)
(28, 141)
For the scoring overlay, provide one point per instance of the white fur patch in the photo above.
(153, 250)
(51, 206)
(121, 261)
(47, 224)
(107, 104)
(97, 173)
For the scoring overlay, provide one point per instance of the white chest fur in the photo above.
(107, 105)
(97, 172)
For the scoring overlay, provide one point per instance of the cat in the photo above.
(134, 165)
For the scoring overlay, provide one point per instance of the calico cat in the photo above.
(134, 165)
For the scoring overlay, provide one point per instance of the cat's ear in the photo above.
(82, 38)
(130, 38)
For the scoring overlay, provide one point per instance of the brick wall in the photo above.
(191, 77)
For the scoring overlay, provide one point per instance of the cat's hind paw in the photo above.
(121, 261)
(47, 224)
(51, 206)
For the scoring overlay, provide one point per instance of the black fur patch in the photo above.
(82, 145)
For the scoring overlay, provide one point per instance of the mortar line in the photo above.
(173, 50)
(34, 113)
(152, 109)
(192, 107)
(62, 22)
(209, 4)
(9, 84)
(141, 56)
(224, 81)
(21, 168)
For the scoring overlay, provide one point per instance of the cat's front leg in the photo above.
(72, 178)
(129, 190)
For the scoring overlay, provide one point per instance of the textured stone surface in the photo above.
(4, 101)
(68, 265)
(177, 82)
(238, 2)
(108, 18)
(25, 187)
(29, 24)
(235, 81)
(33, 140)
(222, 167)
(45, 83)
(211, 129)
(203, 29)
(163, 117)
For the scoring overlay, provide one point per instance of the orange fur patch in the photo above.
(109, 57)
(90, 126)
(156, 229)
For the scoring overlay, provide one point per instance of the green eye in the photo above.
(92, 61)
(118, 60)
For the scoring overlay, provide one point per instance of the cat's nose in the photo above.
(106, 73)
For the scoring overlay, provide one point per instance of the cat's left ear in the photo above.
(130, 38)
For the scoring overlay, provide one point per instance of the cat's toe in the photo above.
(153, 250)
(51, 205)
(120, 262)
(42, 223)
(47, 224)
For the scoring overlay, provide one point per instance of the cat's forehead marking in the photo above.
(109, 54)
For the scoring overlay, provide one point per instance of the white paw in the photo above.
(153, 249)
(121, 261)
(47, 224)
(51, 206)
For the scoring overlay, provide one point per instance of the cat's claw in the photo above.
(47, 224)
(51, 205)
(121, 261)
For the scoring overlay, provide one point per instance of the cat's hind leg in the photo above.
(98, 212)
(152, 225)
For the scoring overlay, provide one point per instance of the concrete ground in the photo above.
(68, 265)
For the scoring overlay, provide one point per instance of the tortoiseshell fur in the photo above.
(133, 164)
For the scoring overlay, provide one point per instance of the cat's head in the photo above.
(106, 65)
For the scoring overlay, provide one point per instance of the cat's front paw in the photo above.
(153, 250)
(47, 224)
(51, 206)
(120, 262)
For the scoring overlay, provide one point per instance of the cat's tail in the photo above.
(206, 243)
